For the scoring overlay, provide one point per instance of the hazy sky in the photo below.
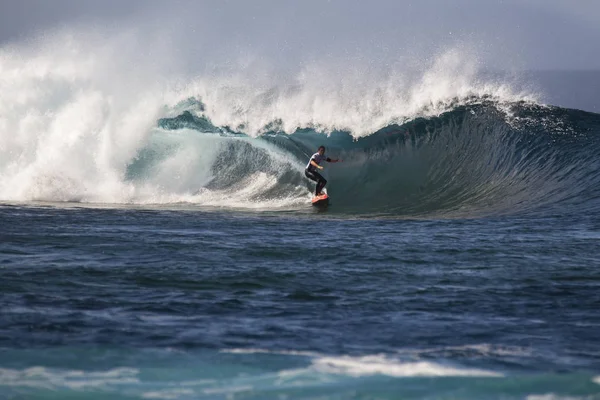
(518, 34)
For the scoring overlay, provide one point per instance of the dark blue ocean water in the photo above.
(193, 303)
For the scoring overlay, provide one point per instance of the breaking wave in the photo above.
(478, 158)
(79, 124)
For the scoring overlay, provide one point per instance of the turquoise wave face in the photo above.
(478, 159)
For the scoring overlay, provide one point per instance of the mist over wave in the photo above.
(90, 118)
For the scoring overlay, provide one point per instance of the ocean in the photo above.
(157, 240)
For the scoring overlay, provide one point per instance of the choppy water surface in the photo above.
(185, 304)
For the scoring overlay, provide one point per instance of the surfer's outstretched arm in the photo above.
(333, 160)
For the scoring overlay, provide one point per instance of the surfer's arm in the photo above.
(333, 160)
(314, 164)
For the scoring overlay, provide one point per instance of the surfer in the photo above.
(314, 164)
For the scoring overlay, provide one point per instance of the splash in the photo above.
(353, 99)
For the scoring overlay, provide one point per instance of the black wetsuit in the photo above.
(312, 174)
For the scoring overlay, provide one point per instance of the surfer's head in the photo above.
(321, 150)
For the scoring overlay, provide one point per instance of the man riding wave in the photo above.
(314, 165)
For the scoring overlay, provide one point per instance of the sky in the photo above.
(507, 34)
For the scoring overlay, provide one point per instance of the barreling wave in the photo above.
(78, 123)
(478, 158)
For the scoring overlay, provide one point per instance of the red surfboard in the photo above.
(320, 200)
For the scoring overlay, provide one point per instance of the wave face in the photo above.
(80, 122)
(476, 159)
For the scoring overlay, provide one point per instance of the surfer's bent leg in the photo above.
(310, 175)
(315, 176)
(320, 185)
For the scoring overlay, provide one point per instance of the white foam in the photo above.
(41, 377)
(371, 365)
(552, 396)
(168, 394)
(183, 176)
(72, 115)
(382, 365)
(330, 97)
(482, 349)
(596, 379)
(264, 351)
